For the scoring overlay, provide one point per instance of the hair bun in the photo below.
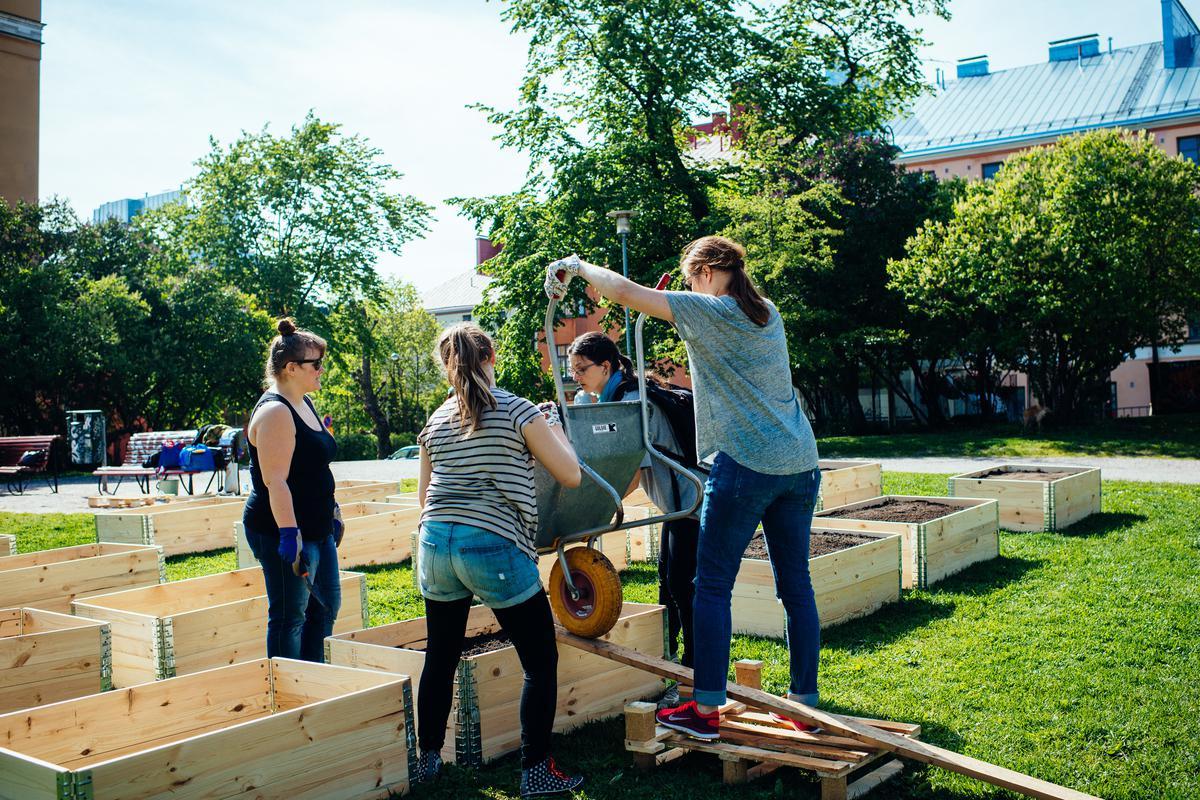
(285, 327)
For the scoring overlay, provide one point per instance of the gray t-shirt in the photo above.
(746, 406)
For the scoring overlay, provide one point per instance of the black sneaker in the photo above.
(546, 778)
(428, 768)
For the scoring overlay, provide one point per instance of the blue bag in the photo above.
(197, 458)
(169, 455)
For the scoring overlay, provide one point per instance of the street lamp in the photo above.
(622, 219)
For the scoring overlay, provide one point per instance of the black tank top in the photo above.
(309, 479)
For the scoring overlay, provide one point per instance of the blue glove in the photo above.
(339, 527)
(289, 547)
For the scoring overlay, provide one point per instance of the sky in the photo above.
(131, 90)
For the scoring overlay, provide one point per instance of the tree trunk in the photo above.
(848, 385)
(379, 420)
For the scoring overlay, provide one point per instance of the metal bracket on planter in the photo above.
(165, 662)
(105, 659)
(162, 565)
(410, 728)
(920, 554)
(147, 530)
(362, 598)
(1049, 513)
(64, 786)
(83, 785)
(468, 747)
(326, 656)
(416, 544)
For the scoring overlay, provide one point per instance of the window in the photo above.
(563, 367)
(466, 317)
(1189, 148)
(990, 169)
(1194, 328)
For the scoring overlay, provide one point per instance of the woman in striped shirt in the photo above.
(478, 525)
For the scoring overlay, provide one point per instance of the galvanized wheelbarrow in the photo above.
(612, 441)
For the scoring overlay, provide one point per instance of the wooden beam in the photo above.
(901, 745)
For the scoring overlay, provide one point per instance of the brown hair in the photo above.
(717, 252)
(463, 349)
(600, 349)
(292, 344)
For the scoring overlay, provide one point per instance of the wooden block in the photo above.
(748, 672)
(733, 770)
(193, 625)
(51, 579)
(639, 721)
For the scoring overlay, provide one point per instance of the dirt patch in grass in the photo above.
(896, 511)
(1028, 475)
(819, 543)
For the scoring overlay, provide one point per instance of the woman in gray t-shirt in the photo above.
(751, 427)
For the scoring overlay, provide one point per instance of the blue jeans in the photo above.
(458, 560)
(736, 499)
(298, 622)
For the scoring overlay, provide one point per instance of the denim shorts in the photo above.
(458, 560)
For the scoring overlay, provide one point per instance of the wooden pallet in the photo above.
(752, 745)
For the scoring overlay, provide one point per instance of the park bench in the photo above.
(15, 474)
(141, 447)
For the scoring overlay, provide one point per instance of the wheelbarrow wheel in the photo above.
(598, 606)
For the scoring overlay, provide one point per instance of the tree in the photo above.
(300, 218)
(1070, 259)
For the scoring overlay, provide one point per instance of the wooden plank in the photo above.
(901, 745)
(23, 777)
(51, 579)
(845, 482)
(352, 491)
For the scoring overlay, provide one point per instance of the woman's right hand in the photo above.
(559, 274)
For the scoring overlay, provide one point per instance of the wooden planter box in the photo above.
(403, 499)
(187, 626)
(268, 728)
(484, 722)
(46, 657)
(8, 545)
(845, 482)
(184, 527)
(1032, 504)
(51, 579)
(364, 491)
(848, 583)
(376, 533)
(930, 550)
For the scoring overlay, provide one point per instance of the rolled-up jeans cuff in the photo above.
(806, 699)
(709, 698)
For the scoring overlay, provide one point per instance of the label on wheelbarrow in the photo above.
(608, 427)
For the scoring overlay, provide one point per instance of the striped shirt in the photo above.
(485, 479)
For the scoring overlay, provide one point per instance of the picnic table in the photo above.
(38, 454)
(140, 448)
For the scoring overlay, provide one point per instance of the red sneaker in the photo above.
(795, 724)
(688, 719)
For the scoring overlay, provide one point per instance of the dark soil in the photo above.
(820, 543)
(478, 644)
(897, 511)
(1027, 476)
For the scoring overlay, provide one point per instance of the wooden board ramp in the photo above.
(848, 727)
(753, 744)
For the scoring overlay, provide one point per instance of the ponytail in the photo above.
(463, 349)
(717, 252)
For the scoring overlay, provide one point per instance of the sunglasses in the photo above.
(316, 362)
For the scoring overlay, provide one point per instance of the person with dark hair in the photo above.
(478, 527)
(601, 369)
(291, 518)
(751, 426)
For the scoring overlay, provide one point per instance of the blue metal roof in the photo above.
(1129, 86)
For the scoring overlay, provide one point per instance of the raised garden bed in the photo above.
(267, 728)
(1034, 497)
(939, 535)
(187, 626)
(845, 482)
(364, 491)
(853, 574)
(376, 533)
(190, 526)
(46, 657)
(403, 499)
(486, 721)
(51, 579)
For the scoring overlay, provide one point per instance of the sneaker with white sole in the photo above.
(428, 767)
(688, 719)
(670, 697)
(546, 778)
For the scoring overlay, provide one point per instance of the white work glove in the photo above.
(559, 274)
(550, 412)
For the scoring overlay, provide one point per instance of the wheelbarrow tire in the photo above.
(599, 605)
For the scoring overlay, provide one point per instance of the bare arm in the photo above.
(551, 447)
(426, 472)
(274, 436)
(624, 291)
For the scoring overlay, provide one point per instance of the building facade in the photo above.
(126, 209)
(20, 82)
(969, 126)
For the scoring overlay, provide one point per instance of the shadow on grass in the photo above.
(886, 625)
(985, 577)
(1103, 523)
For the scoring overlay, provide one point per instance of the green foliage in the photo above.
(356, 447)
(301, 217)
(1070, 259)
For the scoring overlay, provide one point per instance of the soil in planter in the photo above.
(896, 511)
(820, 543)
(476, 645)
(1028, 476)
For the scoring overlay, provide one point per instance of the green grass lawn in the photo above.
(1174, 436)
(1073, 657)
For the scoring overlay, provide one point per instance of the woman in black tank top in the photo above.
(291, 514)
